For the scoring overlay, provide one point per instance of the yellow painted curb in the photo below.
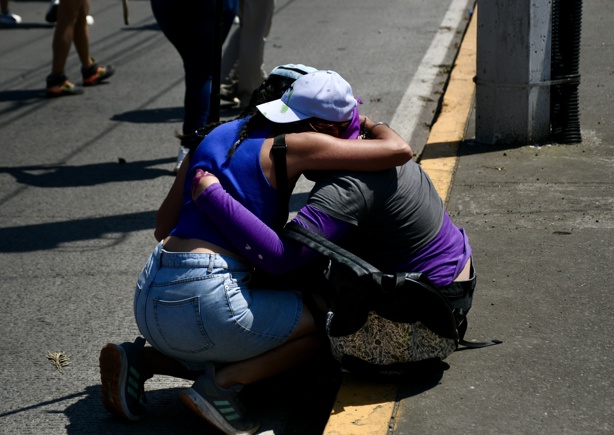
(366, 408)
(439, 157)
(361, 408)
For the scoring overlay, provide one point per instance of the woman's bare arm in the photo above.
(317, 151)
(168, 213)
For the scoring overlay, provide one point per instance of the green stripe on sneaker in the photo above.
(225, 408)
(134, 372)
(132, 392)
(221, 403)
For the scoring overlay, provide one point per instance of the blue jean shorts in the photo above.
(197, 308)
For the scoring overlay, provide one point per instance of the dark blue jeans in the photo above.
(190, 26)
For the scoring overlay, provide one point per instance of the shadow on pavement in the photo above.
(55, 176)
(151, 116)
(165, 414)
(77, 235)
(22, 95)
(150, 26)
(26, 26)
(469, 147)
(423, 379)
(296, 403)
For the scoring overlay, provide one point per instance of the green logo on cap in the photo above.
(285, 107)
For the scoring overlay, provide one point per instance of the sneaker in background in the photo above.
(94, 74)
(59, 86)
(228, 94)
(51, 16)
(219, 406)
(123, 379)
(9, 18)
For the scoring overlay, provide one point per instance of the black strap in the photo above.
(327, 248)
(477, 344)
(279, 151)
(362, 268)
(355, 304)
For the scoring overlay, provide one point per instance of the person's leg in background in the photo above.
(256, 21)
(243, 60)
(72, 27)
(230, 63)
(190, 27)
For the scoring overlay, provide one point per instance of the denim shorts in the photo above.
(197, 308)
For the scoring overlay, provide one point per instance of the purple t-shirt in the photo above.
(393, 219)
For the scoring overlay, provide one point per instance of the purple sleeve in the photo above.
(257, 242)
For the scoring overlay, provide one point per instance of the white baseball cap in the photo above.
(320, 94)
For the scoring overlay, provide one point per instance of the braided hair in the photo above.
(270, 89)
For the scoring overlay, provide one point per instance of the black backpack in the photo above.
(381, 325)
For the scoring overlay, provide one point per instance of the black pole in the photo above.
(218, 41)
(565, 67)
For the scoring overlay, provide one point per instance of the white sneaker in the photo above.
(51, 16)
(9, 18)
(183, 151)
(228, 91)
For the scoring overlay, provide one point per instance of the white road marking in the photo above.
(408, 112)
